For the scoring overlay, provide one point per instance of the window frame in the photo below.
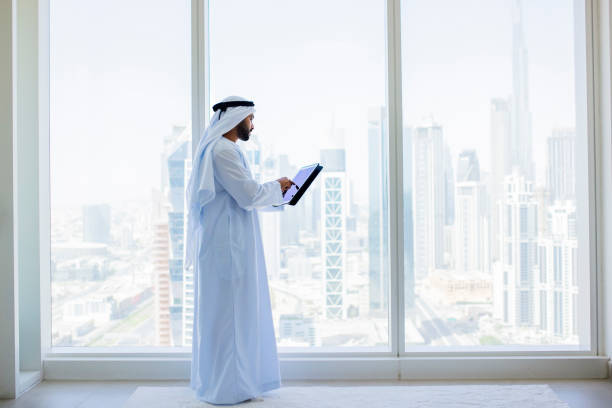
(430, 362)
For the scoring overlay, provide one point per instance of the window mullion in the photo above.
(396, 221)
(200, 69)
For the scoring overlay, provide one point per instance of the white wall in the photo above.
(20, 346)
(603, 146)
(9, 365)
(26, 184)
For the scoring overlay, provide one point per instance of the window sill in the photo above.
(177, 367)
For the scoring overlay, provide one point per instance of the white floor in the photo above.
(98, 394)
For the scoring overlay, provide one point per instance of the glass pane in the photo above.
(120, 131)
(318, 83)
(494, 100)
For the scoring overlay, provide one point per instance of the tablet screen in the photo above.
(299, 179)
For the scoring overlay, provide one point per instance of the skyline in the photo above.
(481, 235)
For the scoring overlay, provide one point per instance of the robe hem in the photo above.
(272, 385)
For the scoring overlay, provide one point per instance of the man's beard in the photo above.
(243, 131)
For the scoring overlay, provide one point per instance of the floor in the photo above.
(97, 394)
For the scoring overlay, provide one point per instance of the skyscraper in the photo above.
(161, 283)
(378, 207)
(557, 287)
(97, 223)
(470, 216)
(511, 141)
(408, 221)
(560, 166)
(514, 281)
(449, 188)
(188, 282)
(176, 150)
(334, 203)
(429, 199)
(500, 165)
(521, 142)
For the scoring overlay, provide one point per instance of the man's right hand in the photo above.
(285, 184)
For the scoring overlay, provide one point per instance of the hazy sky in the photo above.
(120, 78)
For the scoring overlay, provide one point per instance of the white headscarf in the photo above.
(201, 187)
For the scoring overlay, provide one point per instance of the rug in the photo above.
(400, 396)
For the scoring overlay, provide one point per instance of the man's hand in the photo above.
(285, 184)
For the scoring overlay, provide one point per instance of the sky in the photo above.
(120, 79)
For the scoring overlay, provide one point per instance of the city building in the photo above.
(160, 254)
(177, 148)
(334, 202)
(471, 249)
(409, 293)
(556, 307)
(429, 200)
(97, 223)
(378, 227)
(561, 164)
(515, 281)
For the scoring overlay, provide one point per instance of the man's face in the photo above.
(245, 128)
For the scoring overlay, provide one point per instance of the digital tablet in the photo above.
(303, 179)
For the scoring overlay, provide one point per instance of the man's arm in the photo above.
(247, 192)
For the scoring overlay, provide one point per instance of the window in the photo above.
(119, 137)
(493, 100)
(327, 258)
(493, 137)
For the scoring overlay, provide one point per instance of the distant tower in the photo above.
(449, 188)
(408, 222)
(161, 283)
(188, 282)
(378, 207)
(557, 291)
(514, 282)
(176, 150)
(511, 141)
(429, 199)
(334, 203)
(521, 149)
(97, 223)
(470, 215)
(561, 165)
(500, 166)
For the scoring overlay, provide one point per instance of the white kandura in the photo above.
(234, 354)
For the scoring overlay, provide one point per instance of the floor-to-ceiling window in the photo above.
(119, 139)
(495, 185)
(495, 164)
(317, 74)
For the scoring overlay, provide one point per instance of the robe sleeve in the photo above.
(247, 192)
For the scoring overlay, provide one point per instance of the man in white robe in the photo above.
(234, 356)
